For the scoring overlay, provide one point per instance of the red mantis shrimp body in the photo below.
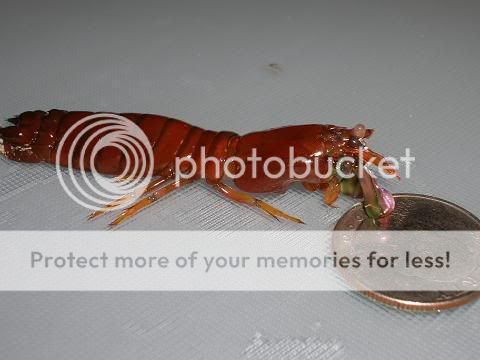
(35, 136)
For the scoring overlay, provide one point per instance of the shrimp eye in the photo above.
(359, 131)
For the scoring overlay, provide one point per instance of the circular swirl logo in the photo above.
(93, 140)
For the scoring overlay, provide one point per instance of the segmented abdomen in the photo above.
(37, 134)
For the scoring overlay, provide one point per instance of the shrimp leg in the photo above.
(243, 198)
(332, 192)
(149, 200)
(153, 185)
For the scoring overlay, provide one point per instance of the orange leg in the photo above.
(331, 189)
(315, 186)
(251, 201)
(332, 192)
(153, 185)
(149, 200)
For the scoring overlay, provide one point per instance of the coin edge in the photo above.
(413, 306)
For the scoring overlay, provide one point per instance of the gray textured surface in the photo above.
(411, 69)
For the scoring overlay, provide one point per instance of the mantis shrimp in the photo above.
(34, 137)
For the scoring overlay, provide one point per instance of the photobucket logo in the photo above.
(83, 144)
(275, 167)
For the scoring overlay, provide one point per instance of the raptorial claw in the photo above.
(377, 202)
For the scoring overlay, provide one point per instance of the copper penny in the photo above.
(416, 212)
